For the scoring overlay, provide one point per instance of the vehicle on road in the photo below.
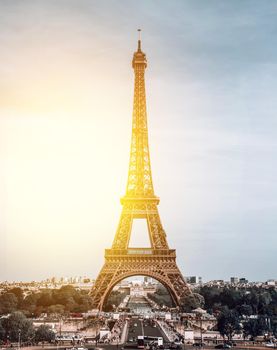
(231, 343)
(68, 338)
(140, 342)
(271, 345)
(223, 346)
(175, 346)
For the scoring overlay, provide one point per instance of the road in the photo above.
(139, 304)
(130, 346)
(142, 325)
(146, 327)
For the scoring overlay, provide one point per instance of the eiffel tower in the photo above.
(158, 261)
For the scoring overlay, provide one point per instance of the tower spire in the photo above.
(139, 39)
(139, 184)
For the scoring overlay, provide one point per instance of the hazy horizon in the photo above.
(66, 93)
(133, 278)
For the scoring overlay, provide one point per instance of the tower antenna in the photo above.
(139, 39)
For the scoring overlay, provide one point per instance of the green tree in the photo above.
(211, 296)
(161, 297)
(230, 297)
(70, 304)
(57, 309)
(84, 303)
(2, 331)
(244, 310)
(254, 301)
(228, 323)
(64, 295)
(29, 303)
(44, 333)
(274, 326)
(45, 299)
(8, 303)
(254, 327)
(200, 301)
(17, 324)
(18, 292)
(264, 301)
(115, 298)
(190, 302)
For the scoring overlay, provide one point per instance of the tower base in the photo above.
(159, 264)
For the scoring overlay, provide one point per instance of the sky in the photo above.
(66, 90)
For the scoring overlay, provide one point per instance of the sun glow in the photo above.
(59, 170)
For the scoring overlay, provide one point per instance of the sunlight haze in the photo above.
(66, 93)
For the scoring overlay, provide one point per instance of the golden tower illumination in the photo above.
(158, 261)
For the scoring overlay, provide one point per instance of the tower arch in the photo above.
(120, 278)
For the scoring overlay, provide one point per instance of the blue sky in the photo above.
(66, 86)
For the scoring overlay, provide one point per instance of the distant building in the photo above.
(234, 280)
(216, 283)
(124, 283)
(123, 289)
(194, 280)
(137, 289)
(243, 280)
(149, 289)
(271, 282)
(146, 279)
(86, 280)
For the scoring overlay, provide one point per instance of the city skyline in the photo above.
(65, 122)
(69, 279)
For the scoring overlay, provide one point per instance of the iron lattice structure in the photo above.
(139, 201)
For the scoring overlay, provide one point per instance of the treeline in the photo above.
(251, 301)
(17, 327)
(229, 323)
(251, 312)
(161, 297)
(114, 299)
(52, 301)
